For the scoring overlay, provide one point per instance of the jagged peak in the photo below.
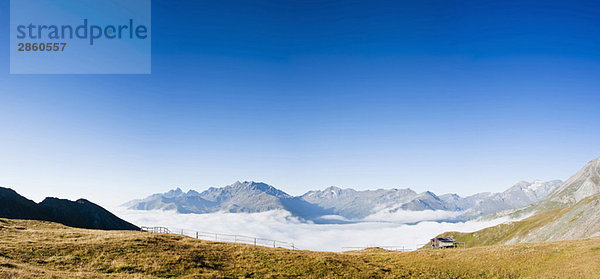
(579, 186)
(258, 186)
(519, 185)
(248, 183)
(453, 195)
(334, 190)
(176, 190)
(536, 185)
(429, 194)
(192, 192)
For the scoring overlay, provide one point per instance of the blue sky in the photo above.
(445, 96)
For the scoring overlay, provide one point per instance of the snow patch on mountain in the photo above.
(338, 205)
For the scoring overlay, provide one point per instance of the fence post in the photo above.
(236, 237)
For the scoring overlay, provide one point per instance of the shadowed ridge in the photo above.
(15, 206)
(84, 214)
(80, 214)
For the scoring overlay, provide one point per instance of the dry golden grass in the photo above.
(31, 249)
(517, 231)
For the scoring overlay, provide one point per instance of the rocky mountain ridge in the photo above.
(571, 211)
(249, 196)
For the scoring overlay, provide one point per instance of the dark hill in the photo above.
(80, 214)
(15, 206)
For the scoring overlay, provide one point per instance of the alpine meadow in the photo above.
(299, 139)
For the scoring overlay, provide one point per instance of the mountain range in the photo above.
(249, 196)
(568, 212)
(79, 214)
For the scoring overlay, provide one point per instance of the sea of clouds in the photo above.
(398, 229)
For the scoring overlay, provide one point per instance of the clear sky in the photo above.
(447, 96)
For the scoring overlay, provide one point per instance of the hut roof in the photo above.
(444, 239)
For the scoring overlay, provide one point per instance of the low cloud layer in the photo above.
(407, 217)
(385, 229)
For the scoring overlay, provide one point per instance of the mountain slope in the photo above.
(349, 203)
(584, 183)
(189, 202)
(521, 194)
(565, 214)
(425, 201)
(354, 204)
(80, 213)
(15, 206)
(83, 214)
(246, 197)
(34, 249)
(238, 197)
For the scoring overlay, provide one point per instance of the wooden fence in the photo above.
(155, 229)
(375, 249)
(235, 238)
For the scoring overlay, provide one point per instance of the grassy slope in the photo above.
(512, 232)
(42, 249)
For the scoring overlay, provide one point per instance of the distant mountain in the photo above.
(428, 201)
(79, 214)
(349, 203)
(189, 202)
(581, 185)
(521, 194)
(238, 197)
(571, 211)
(354, 204)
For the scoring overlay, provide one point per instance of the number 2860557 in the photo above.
(42, 46)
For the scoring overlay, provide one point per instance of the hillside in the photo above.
(81, 213)
(16, 206)
(33, 249)
(571, 211)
